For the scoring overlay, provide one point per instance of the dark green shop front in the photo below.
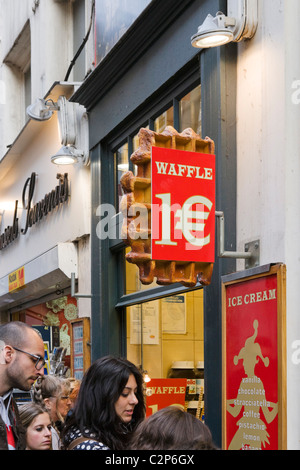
(152, 78)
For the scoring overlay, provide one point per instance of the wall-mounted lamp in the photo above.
(67, 155)
(73, 127)
(41, 110)
(240, 23)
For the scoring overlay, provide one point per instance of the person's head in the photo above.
(75, 386)
(110, 398)
(53, 392)
(172, 428)
(36, 421)
(21, 356)
(64, 402)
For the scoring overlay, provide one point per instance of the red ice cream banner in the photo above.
(254, 362)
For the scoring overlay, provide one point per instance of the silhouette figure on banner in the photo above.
(252, 430)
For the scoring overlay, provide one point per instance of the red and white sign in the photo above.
(183, 206)
(161, 393)
(252, 365)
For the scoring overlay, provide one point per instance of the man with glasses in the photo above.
(21, 363)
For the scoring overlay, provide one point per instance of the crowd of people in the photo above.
(105, 411)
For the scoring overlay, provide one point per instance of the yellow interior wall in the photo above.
(158, 358)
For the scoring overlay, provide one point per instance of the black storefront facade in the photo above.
(144, 77)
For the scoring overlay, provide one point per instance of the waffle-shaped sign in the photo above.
(183, 205)
(168, 207)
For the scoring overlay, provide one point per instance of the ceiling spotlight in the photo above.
(41, 110)
(240, 23)
(68, 155)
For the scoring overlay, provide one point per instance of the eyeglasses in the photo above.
(40, 361)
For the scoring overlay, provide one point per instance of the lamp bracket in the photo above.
(245, 12)
(225, 21)
(254, 248)
(51, 105)
(228, 21)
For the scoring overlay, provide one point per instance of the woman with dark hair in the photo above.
(172, 428)
(109, 406)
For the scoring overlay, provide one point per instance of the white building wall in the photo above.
(268, 173)
(51, 41)
(51, 46)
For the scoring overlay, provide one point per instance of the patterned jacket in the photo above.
(74, 440)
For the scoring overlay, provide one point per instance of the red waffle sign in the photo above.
(183, 205)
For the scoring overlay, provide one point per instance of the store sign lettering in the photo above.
(183, 205)
(36, 212)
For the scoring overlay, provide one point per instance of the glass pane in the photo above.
(113, 18)
(190, 111)
(165, 338)
(164, 120)
(135, 146)
(121, 158)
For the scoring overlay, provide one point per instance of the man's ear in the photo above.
(6, 354)
(2, 346)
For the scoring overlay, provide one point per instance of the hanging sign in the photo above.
(161, 393)
(80, 347)
(182, 205)
(254, 382)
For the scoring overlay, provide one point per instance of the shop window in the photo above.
(122, 165)
(164, 120)
(168, 330)
(190, 111)
(164, 324)
(135, 144)
(164, 331)
(165, 339)
(187, 114)
(113, 18)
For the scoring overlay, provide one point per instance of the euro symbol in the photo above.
(194, 220)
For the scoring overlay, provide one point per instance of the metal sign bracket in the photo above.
(251, 253)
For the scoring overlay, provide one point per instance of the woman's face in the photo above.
(38, 434)
(58, 406)
(126, 402)
(63, 404)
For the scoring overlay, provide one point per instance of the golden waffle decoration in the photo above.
(137, 194)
